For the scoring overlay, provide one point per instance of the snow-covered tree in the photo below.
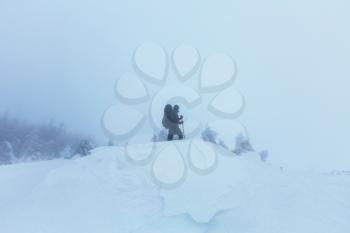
(243, 145)
(209, 135)
(34, 141)
(84, 148)
(6, 153)
(110, 143)
(222, 143)
(264, 155)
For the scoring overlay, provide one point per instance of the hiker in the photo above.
(172, 120)
(178, 121)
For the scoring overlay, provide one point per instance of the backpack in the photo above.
(165, 122)
(167, 114)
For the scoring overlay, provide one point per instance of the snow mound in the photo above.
(107, 192)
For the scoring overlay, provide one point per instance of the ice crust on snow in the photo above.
(202, 157)
(104, 192)
(168, 168)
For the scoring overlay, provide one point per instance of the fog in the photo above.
(60, 60)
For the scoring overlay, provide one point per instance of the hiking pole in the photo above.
(183, 130)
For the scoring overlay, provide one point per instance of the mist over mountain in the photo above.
(292, 61)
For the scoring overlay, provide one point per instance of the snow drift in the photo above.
(109, 192)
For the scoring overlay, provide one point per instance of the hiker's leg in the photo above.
(171, 132)
(179, 133)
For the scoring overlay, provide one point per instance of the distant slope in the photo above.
(106, 192)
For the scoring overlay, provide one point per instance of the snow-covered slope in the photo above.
(106, 192)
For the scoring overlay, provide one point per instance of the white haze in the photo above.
(60, 59)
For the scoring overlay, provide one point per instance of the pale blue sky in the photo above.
(60, 59)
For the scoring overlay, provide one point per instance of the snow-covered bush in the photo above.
(84, 148)
(6, 153)
(110, 143)
(209, 135)
(222, 143)
(23, 141)
(242, 145)
(264, 155)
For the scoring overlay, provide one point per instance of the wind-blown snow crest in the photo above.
(105, 192)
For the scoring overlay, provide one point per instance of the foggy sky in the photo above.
(60, 59)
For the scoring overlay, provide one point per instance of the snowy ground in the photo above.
(107, 193)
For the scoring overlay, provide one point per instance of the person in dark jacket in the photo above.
(171, 121)
(177, 120)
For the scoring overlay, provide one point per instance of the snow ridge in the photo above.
(105, 192)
